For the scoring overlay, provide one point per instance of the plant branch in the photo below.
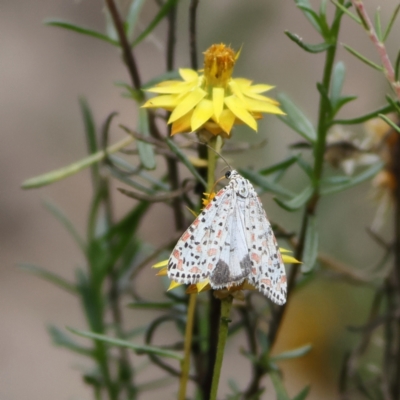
(319, 151)
(192, 33)
(226, 305)
(187, 346)
(126, 48)
(380, 46)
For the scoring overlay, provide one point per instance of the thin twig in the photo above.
(126, 48)
(147, 139)
(171, 38)
(380, 46)
(192, 33)
(159, 197)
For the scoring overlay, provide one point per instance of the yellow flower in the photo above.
(213, 101)
(384, 141)
(208, 197)
(204, 286)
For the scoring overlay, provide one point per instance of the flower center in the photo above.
(219, 61)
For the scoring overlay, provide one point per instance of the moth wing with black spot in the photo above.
(233, 265)
(198, 249)
(267, 269)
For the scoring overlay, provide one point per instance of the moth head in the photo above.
(230, 174)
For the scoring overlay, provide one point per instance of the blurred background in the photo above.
(44, 71)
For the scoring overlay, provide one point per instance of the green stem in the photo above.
(212, 162)
(187, 347)
(226, 305)
(324, 120)
(71, 169)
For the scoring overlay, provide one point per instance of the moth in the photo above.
(230, 241)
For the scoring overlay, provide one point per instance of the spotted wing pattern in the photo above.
(267, 272)
(197, 251)
(230, 241)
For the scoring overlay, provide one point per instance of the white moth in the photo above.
(231, 240)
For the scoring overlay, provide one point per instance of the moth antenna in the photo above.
(216, 183)
(215, 151)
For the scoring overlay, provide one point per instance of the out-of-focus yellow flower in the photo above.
(385, 141)
(234, 290)
(213, 101)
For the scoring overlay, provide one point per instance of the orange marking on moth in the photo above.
(253, 237)
(219, 234)
(195, 223)
(266, 282)
(209, 205)
(195, 270)
(254, 271)
(198, 248)
(185, 236)
(179, 265)
(210, 266)
(212, 252)
(255, 257)
(283, 279)
(176, 254)
(264, 243)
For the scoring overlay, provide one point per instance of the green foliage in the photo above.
(115, 256)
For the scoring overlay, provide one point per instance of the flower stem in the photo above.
(226, 305)
(212, 160)
(187, 346)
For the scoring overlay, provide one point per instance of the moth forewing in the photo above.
(233, 265)
(230, 241)
(189, 260)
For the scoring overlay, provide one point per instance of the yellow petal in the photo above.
(236, 90)
(187, 104)
(161, 264)
(203, 286)
(226, 120)
(248, 286)
(218, 101)
(201, 114)
(188, 74)
(213, 128)
(176, 87)
(261, 106)
(260, 97)
(162, 272)
(192, 289)
(166, 101)
(242, 82)
(289, 259)
(173, 285)
(260, 88)
(237, 55)
(239, 109)
(181, 125)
